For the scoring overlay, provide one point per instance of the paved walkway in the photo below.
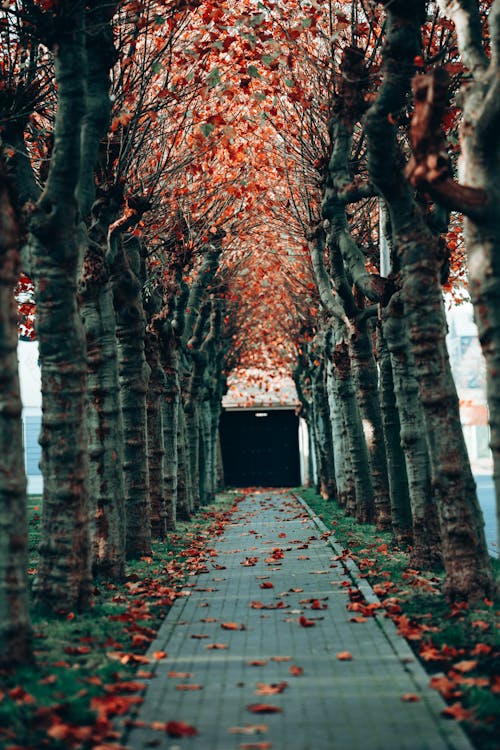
(274, 556)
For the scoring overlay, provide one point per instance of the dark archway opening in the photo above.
(260, 448)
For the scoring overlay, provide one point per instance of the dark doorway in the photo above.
(260, 448)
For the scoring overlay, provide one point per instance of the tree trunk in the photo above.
(426, 552)
(364, 510)
(479, 170)
(15, 626)
(63, 581)
(364, 369)
(184, 489)
(133, 374)
(326, 465)
(156, 450)
(398, 479)
(465, 556)
(170, 420)
(104, 416)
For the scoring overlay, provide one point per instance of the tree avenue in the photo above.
(197, 189)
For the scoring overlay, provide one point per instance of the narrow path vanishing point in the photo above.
(333, 704)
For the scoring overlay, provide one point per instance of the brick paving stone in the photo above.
(333, 705)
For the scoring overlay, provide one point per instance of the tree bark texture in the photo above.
(465, 556)
(398, 479)
(133, 376)
(63, 580)
(104, 416)
(156, 449)
(425, 524)
(15, 625)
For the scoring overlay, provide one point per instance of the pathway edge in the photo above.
(397, 642)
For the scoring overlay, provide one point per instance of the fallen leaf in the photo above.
(158, 655)
(199, 636)
(180, 729)
(358, 619)
(344, 656)
(182, 675)
(189, 686)
(264, 688)
(306, 623)
(255, 746)
(281, 658)
(465, 666)
(410, 698)
(249, 729)
(217, 645)
(457, 712)
(263, 708)
(447, 687)
(232, 626)
(266, 585)
(296, 671)
(257, 662)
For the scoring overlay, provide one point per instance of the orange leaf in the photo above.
(410, 698)
(255, 746)
(458, 712)
(270, 689)
(257, 662)
(232, 626)
(281, 658)
(465, 666)
(344, 656)
(189, 686)
(158, 655)
(296, 671)
(263, 708)
(182, 675)
(217, 645)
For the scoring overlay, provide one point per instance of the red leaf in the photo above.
(263, 708)
(296, 671)
(180, 729)
(410, 698)
(306, 623)
(266, 585)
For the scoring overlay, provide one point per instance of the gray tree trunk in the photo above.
(15, 625)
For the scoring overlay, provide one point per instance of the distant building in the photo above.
(469, 373)
(31, 396)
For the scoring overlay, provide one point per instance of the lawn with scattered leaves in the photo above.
(89, 668)
(459, 646)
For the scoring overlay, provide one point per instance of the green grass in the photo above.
(96, 657)
(456, 634)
